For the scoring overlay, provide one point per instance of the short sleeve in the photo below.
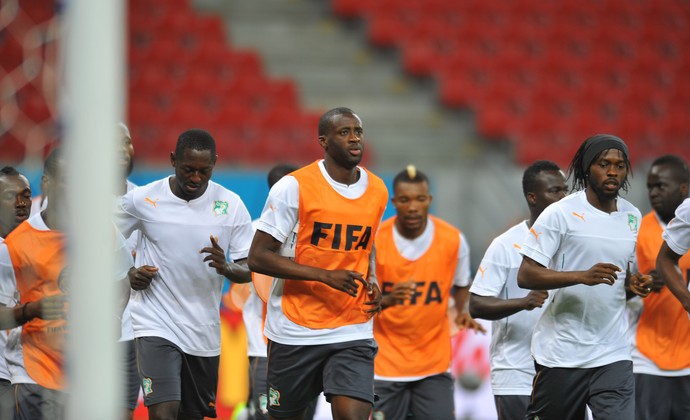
(125, 215)
(281, 212)
(677, 234)
(241, 234)
(463, 275)
(544, 237)
(8, 283)
(493, 271)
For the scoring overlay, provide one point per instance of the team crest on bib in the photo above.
(220, 207)
(632, 222)
(273, 397)
(147, 385)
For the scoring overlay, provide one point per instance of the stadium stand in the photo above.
(543, 73)
(182, 73)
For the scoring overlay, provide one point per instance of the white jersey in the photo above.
(126, 330)
(414, 249)
(677, 233)
(583, 326)
(253, 317)
(7, 298)
(280, 220)
(512, 366)
(182, 303)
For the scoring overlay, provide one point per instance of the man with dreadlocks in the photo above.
(580, 249)
(421, 261)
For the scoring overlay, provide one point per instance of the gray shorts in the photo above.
(257, 401)
(297, 374)
(169, 374)
(38, 403)
(130, 374)
(6, 399)
(662, 397)
(428, 398)
(511, 407)
(563, 393)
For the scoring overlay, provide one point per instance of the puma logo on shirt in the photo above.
(154, 203)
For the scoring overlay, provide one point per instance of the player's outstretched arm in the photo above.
(493, 308)
(264, 259)
(48, 308)
(535, 276)
(463, 319)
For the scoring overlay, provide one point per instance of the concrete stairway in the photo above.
(333, 66)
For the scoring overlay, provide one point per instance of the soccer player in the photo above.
(126, 340)
(187, 222)
(676, 244)
(315, 236)
(661, 358)
(579, 249)
(32, 261)
(15, 203)
(495, 295)
(253, 314)
(421, 261)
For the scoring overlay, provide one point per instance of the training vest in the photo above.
(414, 338)
(335, 233)
(663, 331)
(38, 258)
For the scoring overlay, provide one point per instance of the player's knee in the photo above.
(348, 408)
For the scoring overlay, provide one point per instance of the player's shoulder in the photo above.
(216, 190)
(628, 207)
(683, 211)
(152, 187)
(514, 235)
(442, 224)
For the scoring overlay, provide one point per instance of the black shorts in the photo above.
(662, 397)
(511, 407)
(564, 393)
(38, 403)
(257, 401)
(297, 374)
(169, 374)
(427, 398)
(6, 399)
(130, 376)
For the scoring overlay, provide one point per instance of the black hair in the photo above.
(678, 167)
(326, 120)
(529, 177)
(50, 166)
(195, 139)
(280, 171)
(9, 171)
(579, 173)
(410, 175)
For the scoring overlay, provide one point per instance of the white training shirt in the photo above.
(677, 233)
(182, 303)
(583, 326)
(7, 298)
(280, 220)
(252, 315)
(126, 330)
(512, 366)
